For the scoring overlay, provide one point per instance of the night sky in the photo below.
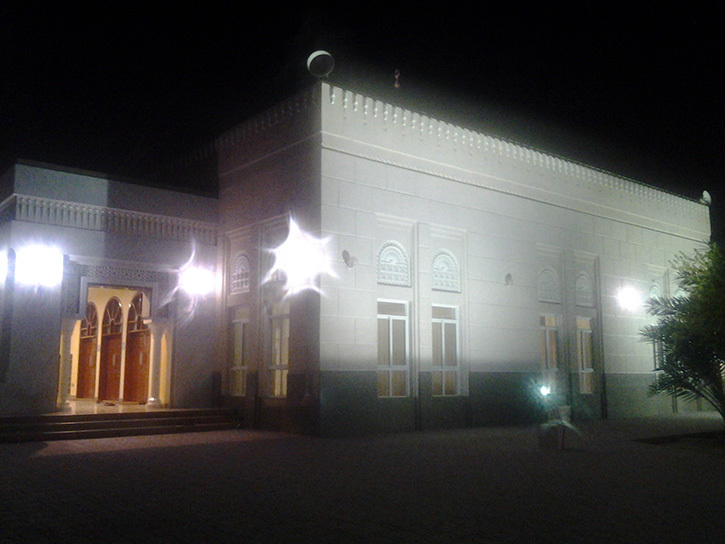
(634, 88)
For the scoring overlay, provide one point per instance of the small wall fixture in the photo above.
(350, 261)
(508, 279)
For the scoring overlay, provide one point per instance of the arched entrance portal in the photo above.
(87, 348)
(138, 349)
(109, 384)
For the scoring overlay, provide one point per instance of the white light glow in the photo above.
(195, 280)
(39, 265)
(629, 299)
(302, 258)
(3, 267)
(544, 391)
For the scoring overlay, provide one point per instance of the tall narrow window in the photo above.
(393, 368)
(240, 353)
(445, 351)
(278, 365)
(549, 356)
(584, 354)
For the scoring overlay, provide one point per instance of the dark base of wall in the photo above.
(349, 405)
(627, 396)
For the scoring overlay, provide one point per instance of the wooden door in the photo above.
(109, 384)
(138, 349)
(88, 343)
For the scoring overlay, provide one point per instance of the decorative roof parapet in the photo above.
(400, 123)
(85, 216)
(250, 131)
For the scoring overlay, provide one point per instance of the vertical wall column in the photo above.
(157, 329)
(66, 365)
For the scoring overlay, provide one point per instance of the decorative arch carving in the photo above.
(240, 274)
(584, 290)
(446, 272)
(113, 317)
(549, 286)
(135, 320)
(393, 265)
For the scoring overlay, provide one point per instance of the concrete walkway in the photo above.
(460, 486)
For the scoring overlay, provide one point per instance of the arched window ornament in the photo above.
(655, 291)
(446, 272)
(549, 288)
(89, 325)
(112, 317)
(584, 290)
(393, 265)
(135, 315)
(239, 280)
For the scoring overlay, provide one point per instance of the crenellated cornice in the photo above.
(99, 218)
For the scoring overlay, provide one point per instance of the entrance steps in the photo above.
(41, 428)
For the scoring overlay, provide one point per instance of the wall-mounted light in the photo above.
(629, 299)
(3, 267)
(39, 265)
(196, 280)
(350, 261)
(302, 257)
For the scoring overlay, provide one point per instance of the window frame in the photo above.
(585, 361)
(278, 354)
(443, 368)
(242, 368)
(546, 334)
(389, 369)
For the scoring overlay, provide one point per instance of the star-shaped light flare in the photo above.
(301, 258)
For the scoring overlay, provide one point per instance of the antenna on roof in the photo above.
(320, 64)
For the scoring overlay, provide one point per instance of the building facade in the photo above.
(91, 304)
(376, 270)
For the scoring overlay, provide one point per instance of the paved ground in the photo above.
(462, 486)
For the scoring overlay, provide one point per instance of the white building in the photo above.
(465, 273)
(93, 309)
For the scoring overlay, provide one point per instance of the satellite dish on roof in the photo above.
(320, 63)
(705, 199)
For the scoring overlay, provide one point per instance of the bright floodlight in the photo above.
(544, 391)
(39, 265)
(629, 299)
(196, 280)
(301, 258)
(3, 267)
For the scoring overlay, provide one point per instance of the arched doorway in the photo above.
(109, 383)
(87, 348)
(138, 349)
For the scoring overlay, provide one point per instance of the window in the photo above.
(549, 357)
(240, 353)
(278, 365)
(584, 355)
(658, 352)
(445, 351)
(392, 349)
(239, 280)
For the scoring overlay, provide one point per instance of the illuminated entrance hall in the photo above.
(120, 369)
(118, 317)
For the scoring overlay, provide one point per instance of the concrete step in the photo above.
(77, 426)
